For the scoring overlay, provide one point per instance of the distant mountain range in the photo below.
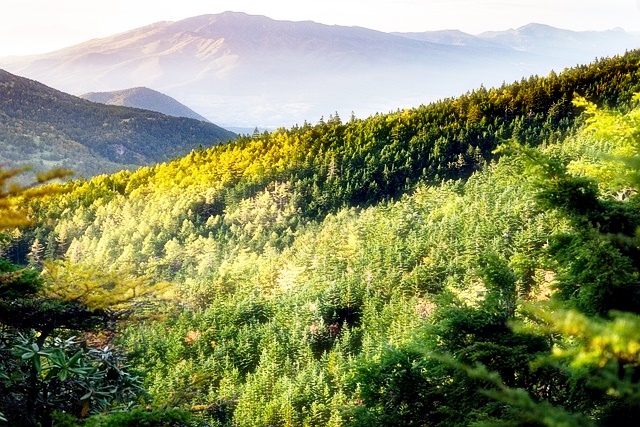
(243, 70)
(145, 98)
(538, 39)
(45, 128)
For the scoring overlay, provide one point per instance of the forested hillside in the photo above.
(45, 128)
(472, 261)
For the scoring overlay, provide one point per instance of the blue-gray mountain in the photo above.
(145, 98)
(242, 70)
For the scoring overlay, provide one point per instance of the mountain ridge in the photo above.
(146, 99)
(44, 128)
(249, 70)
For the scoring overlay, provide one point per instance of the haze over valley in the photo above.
(242, 71)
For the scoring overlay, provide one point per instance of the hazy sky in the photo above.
(39, 26)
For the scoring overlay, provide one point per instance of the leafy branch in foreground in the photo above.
(99, 289)
(523, 409)
(12, 196)
(593, 318)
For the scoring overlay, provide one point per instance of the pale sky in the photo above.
(39, 26)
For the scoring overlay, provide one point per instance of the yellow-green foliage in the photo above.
(99, 289)
(597, 342)
(13, 197)
(608, 148)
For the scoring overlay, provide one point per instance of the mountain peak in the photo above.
(540, 30)
(144, 98)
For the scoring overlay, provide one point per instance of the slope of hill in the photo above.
(316, 268)
(146, 99)
(43, 128)
(246, 71)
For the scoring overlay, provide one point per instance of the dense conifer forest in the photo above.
(473, 261)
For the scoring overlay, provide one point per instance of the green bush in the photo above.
(142, 418)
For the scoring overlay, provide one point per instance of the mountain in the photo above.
(246, 71)
(145, 98)
(44, 128)
(545, 40)
(542, 40)
(449, 37)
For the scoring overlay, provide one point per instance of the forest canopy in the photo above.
(468, 262)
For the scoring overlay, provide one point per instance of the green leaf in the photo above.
(22, 348)
(76, 357)
(52, 373)
(28, 355)
(78, 371)
(58, 358)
